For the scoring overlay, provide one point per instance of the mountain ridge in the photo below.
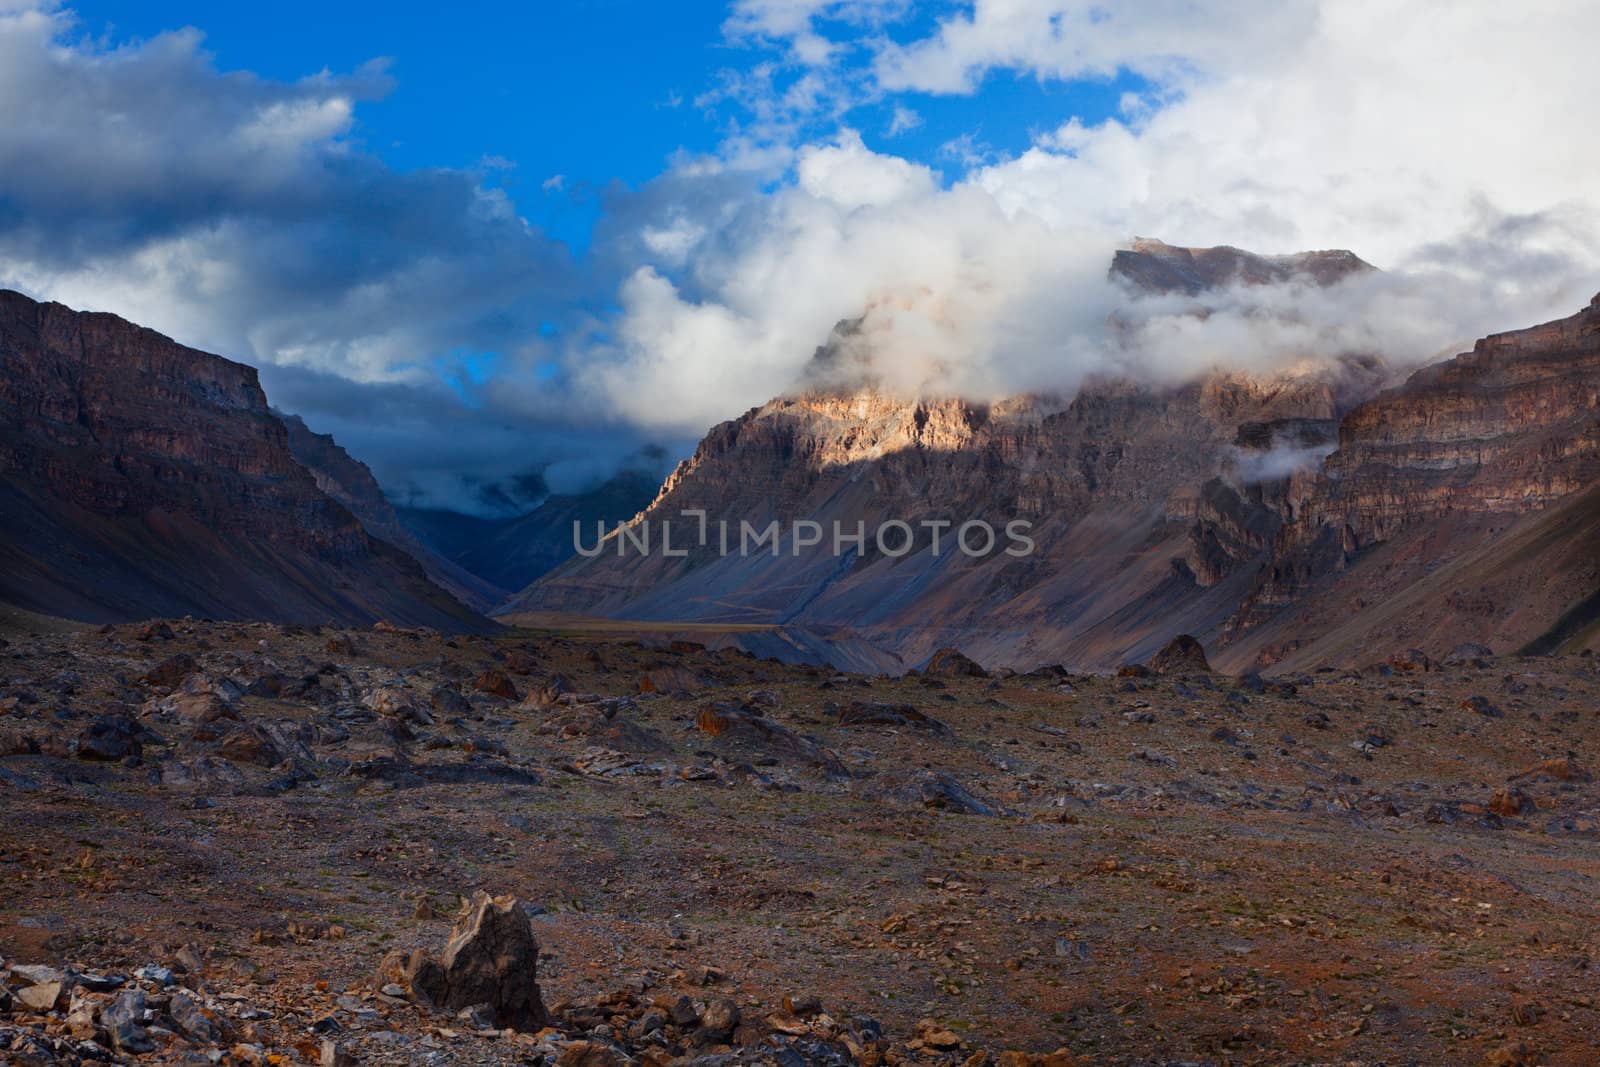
(141, 477)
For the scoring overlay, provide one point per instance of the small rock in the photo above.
(193, 1019)
(719, 1020)
(110, 738)
(1510, 802)
(950, 663)
(42, 997)
(170, 672)
(590, 1054)
(124, 1022)
(803, 1005)
(334, 1055)
(1182, 655)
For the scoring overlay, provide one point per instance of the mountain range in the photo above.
(1281, 518)
(1324, 514)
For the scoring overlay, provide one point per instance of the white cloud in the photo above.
(849, 175)
(1442, 141)
(903, 120)
(1168, 40)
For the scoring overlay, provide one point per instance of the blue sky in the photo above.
(595, 91)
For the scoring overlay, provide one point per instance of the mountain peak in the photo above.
(1153, 266)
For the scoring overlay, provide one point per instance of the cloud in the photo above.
(1276, 127)
(904, 120)
(1165, 40)
(240, 215)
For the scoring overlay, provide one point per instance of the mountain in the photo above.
(139, 477)
(350, 482)
(1130, 545)
(1281, 519)
(509, 553)
(1156, 267)
(1463, 505)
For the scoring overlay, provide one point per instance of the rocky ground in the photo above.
(219, 843)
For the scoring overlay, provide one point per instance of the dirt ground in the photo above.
(1396, 865)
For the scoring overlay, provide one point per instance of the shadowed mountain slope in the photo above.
(139, 477)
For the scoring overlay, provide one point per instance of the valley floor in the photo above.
(1396, 865)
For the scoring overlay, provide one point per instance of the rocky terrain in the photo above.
(259, 844)
(141, 477)
(1153, 266)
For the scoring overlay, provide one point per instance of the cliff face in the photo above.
(350, 482)
(1112, 482)
(1447, 465)
(140, 477)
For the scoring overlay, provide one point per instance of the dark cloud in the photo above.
(430, 445)
(239, 215)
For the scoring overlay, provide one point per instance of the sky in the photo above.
(504, 239)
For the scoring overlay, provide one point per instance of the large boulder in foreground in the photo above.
(491, 959)
(1183, 655)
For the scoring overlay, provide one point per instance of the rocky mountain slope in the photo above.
(350, 482)
(1157, 267)
(140, 477)
(1261, 514)
(1461, 505)
(1130, 544)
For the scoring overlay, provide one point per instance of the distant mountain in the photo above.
(139, 477)
(350, 482)
(512, 552)
(1157, 267)
(1279, 518)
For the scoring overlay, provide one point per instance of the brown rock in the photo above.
(1514, 1054)
(491, 958)
(250, 744)
(170, 672)
(1510, 802)
(41, 997)
(950, 663)
(590, 1054)
(332, 1054)
(719, 1020)
(1182, 655)
(495, 683)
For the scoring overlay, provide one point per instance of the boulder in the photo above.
(1182, 655)
(491, 958)
(124, 1019)
(170, 672)
(110, 738)
(495, 683)
(950, 663)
